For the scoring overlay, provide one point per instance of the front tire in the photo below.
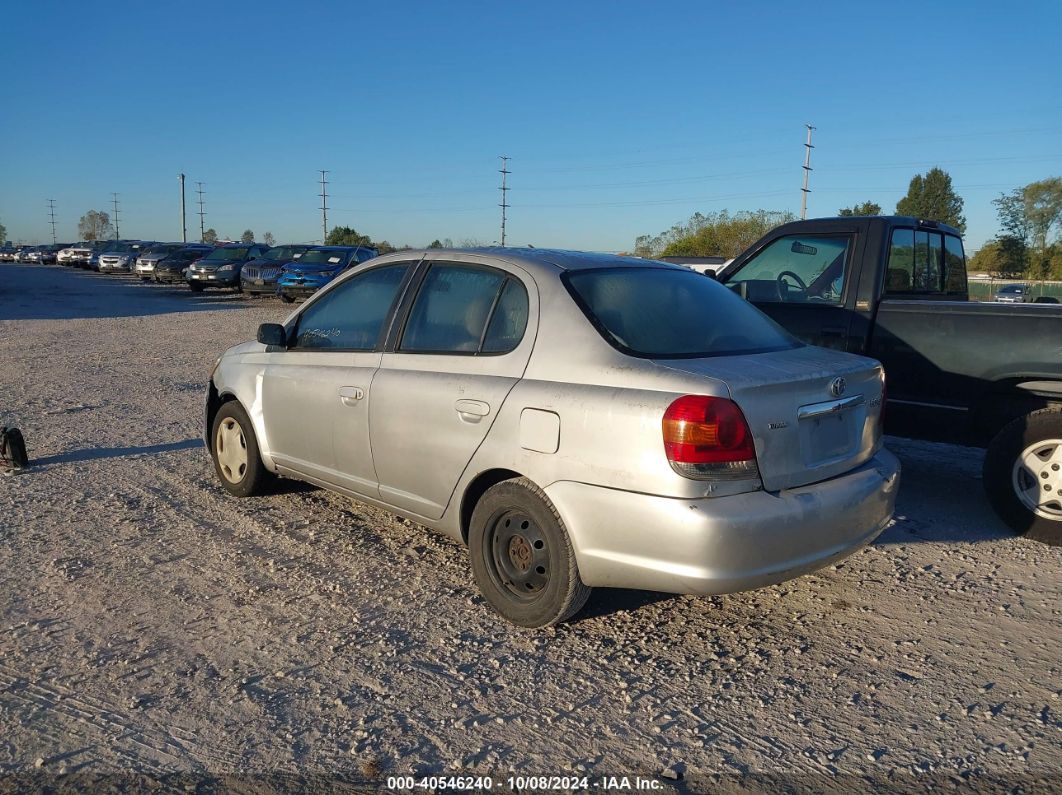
(522, 558)
(195, 288)
(234, 448)
(1023, 475)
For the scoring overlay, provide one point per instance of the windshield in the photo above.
(1012, 288)
(119, 248)
(187, 255)
(227, 254)
(664, 313)
(324, 255)
(283, 253)
(164, 249)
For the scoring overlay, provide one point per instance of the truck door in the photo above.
(805, 283)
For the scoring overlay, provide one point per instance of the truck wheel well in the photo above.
(1004, 404)
(476, 489)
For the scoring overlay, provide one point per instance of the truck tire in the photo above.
(1023, 475)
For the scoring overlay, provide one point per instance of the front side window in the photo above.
(351, 315)
(797, 268)
(665, 313)
(465, 309)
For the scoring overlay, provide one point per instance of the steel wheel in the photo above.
(519, 555)
(522, 558)
(1037, 478)
(230, 446)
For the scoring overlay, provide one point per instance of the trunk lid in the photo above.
(813, 412)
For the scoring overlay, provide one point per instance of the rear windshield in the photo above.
(664, 313)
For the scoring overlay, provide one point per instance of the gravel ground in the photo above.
(152, 624)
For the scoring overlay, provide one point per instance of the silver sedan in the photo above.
(577, 420)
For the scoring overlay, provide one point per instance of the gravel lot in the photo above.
(150, 623)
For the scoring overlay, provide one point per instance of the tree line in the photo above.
(725, 234)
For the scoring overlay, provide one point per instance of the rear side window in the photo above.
(351, 315)
(464, 309)
(664, 313)
(926, 263)
(954, 266)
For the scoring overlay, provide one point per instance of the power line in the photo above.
(504, 171)
(51, 211)
(324, 207)
(202, 214)
(807, 172)
(117, 236)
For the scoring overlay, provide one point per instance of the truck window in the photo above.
(899, 274)
(917, 264)
(797, 269)
(954, 266)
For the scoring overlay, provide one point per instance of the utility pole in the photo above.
(324, 207)
(51, 211)
(117, 236)
(504, 171)
(807, 172)
(202, 215)
(184, 226)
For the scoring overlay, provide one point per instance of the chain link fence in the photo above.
(985, 289)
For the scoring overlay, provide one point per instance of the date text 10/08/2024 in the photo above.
(523, 783)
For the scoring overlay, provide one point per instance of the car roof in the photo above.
(548, 259)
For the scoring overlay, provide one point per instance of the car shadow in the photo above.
(95, 453)
(36, 292)
(941, 496)
(607, 601)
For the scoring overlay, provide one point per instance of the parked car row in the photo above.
(290, 271)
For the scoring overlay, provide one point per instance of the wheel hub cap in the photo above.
(1037, 478)
(231, 448)
(520, 553)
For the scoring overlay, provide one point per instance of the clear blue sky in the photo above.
(621, 118)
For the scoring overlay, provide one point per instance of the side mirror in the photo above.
(711, 274)
(273, 335)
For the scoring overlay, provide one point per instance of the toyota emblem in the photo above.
(838, 386)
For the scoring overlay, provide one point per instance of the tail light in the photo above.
(707, 438)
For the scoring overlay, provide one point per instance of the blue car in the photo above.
(317, 267)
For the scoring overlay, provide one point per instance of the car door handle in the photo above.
(351, 394)
(472, 410)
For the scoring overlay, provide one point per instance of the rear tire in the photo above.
(522, 558)
(1023, 475)
(234, 448)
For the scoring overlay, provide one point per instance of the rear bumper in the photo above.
(724, 544)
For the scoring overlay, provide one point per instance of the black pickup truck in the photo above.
(981, 374)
